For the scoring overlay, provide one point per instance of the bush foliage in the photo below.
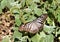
(25, 11)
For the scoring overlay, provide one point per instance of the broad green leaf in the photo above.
(42, 39)
(6, 39)
(4, 3)
(28, 2)
(15, 10)
(27, 10)
(15, 4)
(17, 20)
(15, 28)
(42, 34)
(26, 16)
(53, 5)
(49, 29)
(51, 10)
(17, 34)
(58, 1)
(49, 21)
(49, 38)
(36, 38)
(46, 4)
(23, 3)
(33, 6)
(24, 39)
(31, 18)
(38, 11)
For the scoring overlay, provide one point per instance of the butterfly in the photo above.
(35, 25)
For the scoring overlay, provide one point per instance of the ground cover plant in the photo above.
(14, 13)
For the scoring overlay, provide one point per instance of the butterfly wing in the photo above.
(34, 26)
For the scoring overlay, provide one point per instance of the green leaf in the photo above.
(26, 16)
(49, 21)
(46, 38)
(36, 0)
(42, 39)
(24, 39)
(31, 18)
(22, 3)
(15, 10)
(17, 20)
(27, 10)
(6, 39)
(36, 38)
(49, 38)
(51, 10)
(17, 34)
(4, 3)
(42, 34)
(15, 28)
(59, 17)
(58, 13)
(53, 5)
(38, 11)
(49, 29)
(15, 4)
(0, 9)
(32, 6)
(58, 1)
(28, 2)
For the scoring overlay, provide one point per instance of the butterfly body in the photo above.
(35, 25)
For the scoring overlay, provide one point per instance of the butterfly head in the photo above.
(21, 28)
(44, 16)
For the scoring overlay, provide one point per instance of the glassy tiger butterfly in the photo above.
(35, 25)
